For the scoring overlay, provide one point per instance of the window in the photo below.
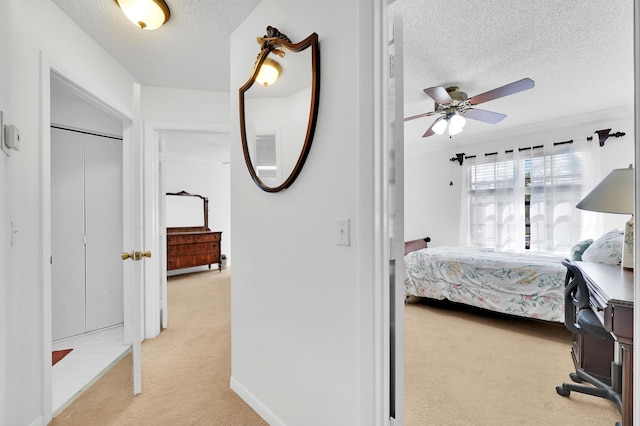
(525, 200)
(266, 157)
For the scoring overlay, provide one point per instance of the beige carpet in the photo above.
(185, 370)
(469, 367)
(463, 367)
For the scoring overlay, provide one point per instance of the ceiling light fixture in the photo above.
(453, 120)
(440, 125)
(456, 123)
(269, 72)
(146, 14)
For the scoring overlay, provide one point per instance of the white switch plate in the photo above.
(343, 232)
(14, 231)
(4, 148)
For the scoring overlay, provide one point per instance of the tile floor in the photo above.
(92, 355)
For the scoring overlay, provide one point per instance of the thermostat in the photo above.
(12, 137)
(9, 137)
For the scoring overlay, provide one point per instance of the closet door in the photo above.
(103, 205)
(67, 234)
(86, 214)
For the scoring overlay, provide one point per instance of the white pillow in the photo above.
(606, 249)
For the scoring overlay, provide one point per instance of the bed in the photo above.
(524, 284)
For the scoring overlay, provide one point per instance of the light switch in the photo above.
(14, 231)
(342, 232)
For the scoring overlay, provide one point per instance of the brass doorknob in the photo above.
(126, 256)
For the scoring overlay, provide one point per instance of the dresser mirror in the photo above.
(278, 118)
(185, 210)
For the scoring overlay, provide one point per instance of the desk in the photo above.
(611, 298)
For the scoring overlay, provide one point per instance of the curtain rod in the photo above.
(602, 135)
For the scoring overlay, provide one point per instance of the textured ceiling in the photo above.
(190, 51)
(579, 53)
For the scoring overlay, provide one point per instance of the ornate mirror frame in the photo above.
(277, 43)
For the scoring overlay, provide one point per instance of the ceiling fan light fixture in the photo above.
(456, 124)
(146, 14)
(439, 126)
(269, 72)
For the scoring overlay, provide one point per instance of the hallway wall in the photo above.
(49, 38)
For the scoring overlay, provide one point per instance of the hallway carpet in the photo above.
(185, 370)
(463, 367)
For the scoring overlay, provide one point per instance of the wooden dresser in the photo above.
(190, 246)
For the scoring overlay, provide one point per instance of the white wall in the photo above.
(300, 303)
(71, 111)
(432, 206)
(31, 28)
(5, 303)
(189, 108)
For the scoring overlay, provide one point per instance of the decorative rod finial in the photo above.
(459, 158)
(604, 134)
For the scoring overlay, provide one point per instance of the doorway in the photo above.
(182, 157)
(84, 193)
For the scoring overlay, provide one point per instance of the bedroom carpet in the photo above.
(463, 367)
(466, 366)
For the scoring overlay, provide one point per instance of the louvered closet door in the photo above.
(67, 234)
(103, 205)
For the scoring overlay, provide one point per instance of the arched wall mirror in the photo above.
(278, 118)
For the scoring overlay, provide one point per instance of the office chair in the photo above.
(579, 318)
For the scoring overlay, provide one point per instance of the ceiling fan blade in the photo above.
(483, 115)
(507, 89)
(439, 94)
(430, 131)
(425, 114)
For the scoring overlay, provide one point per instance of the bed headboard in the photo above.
(414, 245)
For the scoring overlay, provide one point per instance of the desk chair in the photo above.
(579, 318)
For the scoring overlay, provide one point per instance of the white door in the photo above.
(103, 177)
(86, 202)
(67, 234)
(395, 191)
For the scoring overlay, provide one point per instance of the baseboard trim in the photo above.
(37, 422)
(255, 403)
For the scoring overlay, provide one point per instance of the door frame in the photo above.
(155, 268)
(47, 67)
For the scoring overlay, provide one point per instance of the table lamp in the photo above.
(615, 195)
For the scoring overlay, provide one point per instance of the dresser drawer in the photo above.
(180, 249)
(188, 249)
(207, 237)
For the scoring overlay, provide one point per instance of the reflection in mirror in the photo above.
(277, 119)
(184, 210)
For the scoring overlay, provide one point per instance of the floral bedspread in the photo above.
(524, 284)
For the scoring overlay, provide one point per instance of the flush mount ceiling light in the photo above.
(146, 14)
(269, 72)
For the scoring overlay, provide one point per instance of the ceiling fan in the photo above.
(454, 105)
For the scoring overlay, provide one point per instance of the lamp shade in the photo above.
(456, 123)
(146, 14)
(613, 195)
(439, 126)
(269, 72)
